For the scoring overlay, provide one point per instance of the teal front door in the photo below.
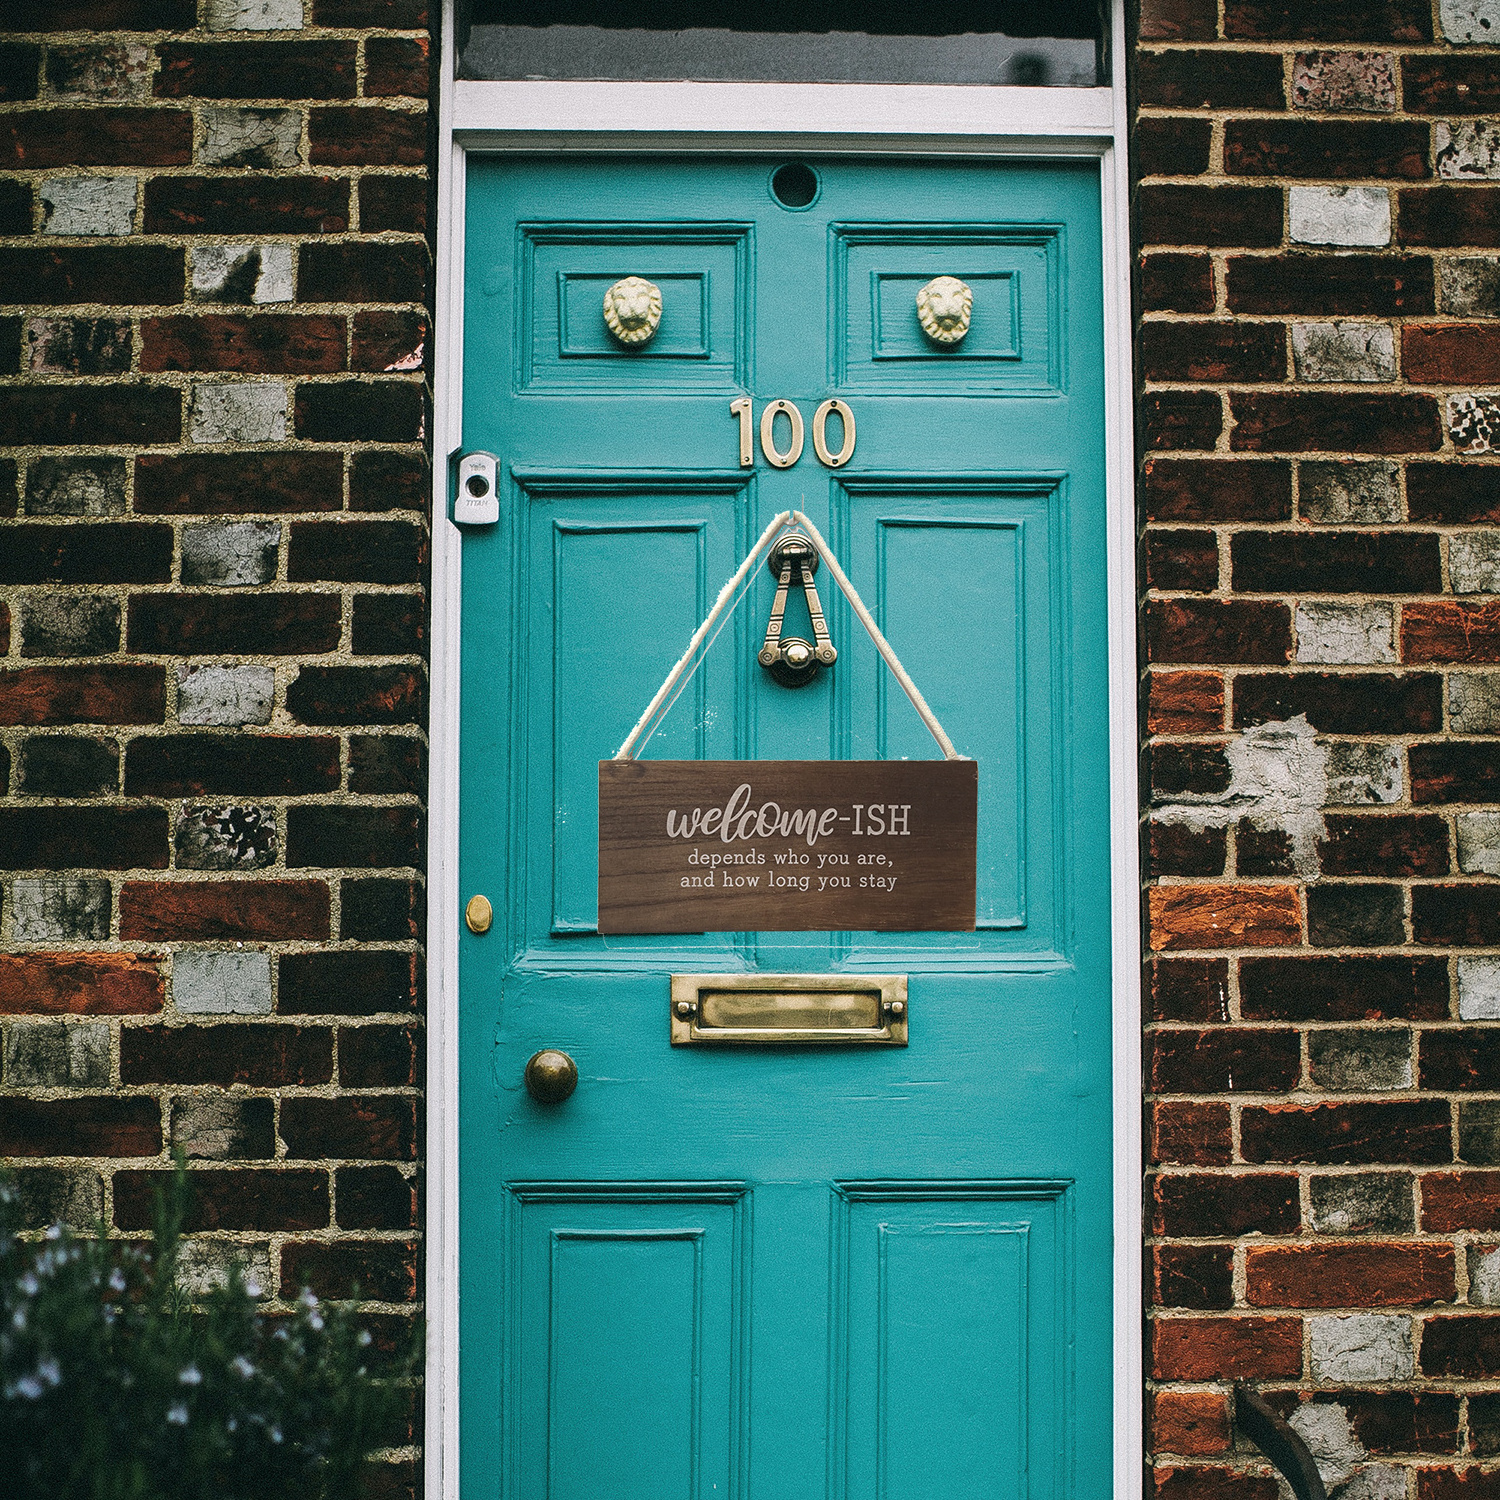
(786, 1273)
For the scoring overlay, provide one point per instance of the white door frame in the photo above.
(740, 117)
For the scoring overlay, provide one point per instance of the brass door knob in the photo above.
(551, 1076)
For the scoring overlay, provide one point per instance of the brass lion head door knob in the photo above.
(551, 1076)
(632, 310)
(943, 309)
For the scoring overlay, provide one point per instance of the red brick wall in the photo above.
(1317, 219)
(213, 282)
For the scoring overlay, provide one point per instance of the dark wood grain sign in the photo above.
(787, 845)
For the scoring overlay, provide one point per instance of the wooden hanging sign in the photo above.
(787, 845)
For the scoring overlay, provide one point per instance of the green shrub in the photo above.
(114, 1385)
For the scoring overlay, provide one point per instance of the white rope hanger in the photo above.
(730, 595)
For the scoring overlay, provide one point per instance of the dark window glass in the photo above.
(819, 41)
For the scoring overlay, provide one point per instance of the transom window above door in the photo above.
(1014, 42)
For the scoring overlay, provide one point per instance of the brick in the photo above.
(356, 272)
(1466, 150)
(15, 207)
(1338, 634)
(1187, 989)
(1460, 1059)
(1363, 1203)
(1361, 1275)
(88, 205)
(1199, 1204)
(388, 341)
(1468, 20)
(56, 1054)
(1450, 631)
(375, 1198)
(1474, 568)
(93, 486)
(122, 15)
(257, 765)
(59, 415)
(116, 984)
(20, 66)
(377, 1057)
(1478, 843)
(393, 15)
(1325, 148)
(1177, 849)
(1198, 489)
(381, 910)
(1210, 1483)
(1348, 1134)
(367, 983)
(1185, 702)
(266, 344)
(1226, 631)
(246, 205)
(237, 483)
(1190, 1133)
(1223, 916)
(83, 695)
(398, 66)
(1174, 283)
(256, 1055)
(46, 909)
(129, 552)
(1204, 1349)
(1336, 562)
(1450, 84)
(58, 1195)
(359, 411)
(1478, 989)
(1472, 1483)
(357, 695)
(259, 138)
(369, 136)
(208, 1127)
(1357, 81)
(380, 481)
(76, 625)
(363, 552)
(1361, 1346)
(1331, 286)
(240, 412)
(1182, 560)
(1178, 20)
(119, 137)
(1169, 146)
(1340, 703)
(1195, 1276)
(393, 204)
(1466, 1347)
(1178, 420)
(98, 1125)
(389, 625)
(1223, 1059)
(254, 15)
(361, 1127)
(1455, 771)
(224, 911)
(383, 763)
(1344, 352)
(1322, 422)
(377, 1270)
(225, 695)
(228, 554)
(1450, 353)
(1457, 1201)
(1191, 1423)
(134, 275)
(1473, 421)
(90, 838)
(1450, 217)
(1374, 844)
(1456, 915)
(257, 70)
(353, 837)
(1215, 351)
(77, 346)
(99, 71)
(1191, 769)
(226, 1198)
(210, 983)
(1337, 21)
(216, 624)
(1470, 287)
(1484, 1424)
(1355, 916)
(1209, 79)
(58, 765)
(226, 837)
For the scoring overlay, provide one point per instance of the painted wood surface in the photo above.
(787, 1273)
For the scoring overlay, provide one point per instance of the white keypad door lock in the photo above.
(477, 500)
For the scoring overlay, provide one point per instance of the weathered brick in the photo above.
(1193, 1276)
(377, 1270)
(99, 70)
(1455, 771)
(1342, 285)
(230, 837)
(96, 1125)
(246, 205)
(1226, 631)
(59, 1195)
(1223, 1059)
(1360, 1059)
(56, 1054)
(1326, 148)
(1180, 420)
(375, 1198)
(258, 1055)
(1340, 493)
(70, 625)
(350, 271)
(362, 1127)
(1350, 1134)
(1361, 1275)
(1226, 1348)
(257, 70)
(388, 341)
(88, 205)
(1342, 703)
(77, 346)
(1215, 351)
(79, 984)
(393, 204)
(1358, 81)
(209, 694)
(224, 911)
(1178, 20)
(206, 982)
(134, 275)
(264, 765)
(1355, 916)
(1450, 631)
(57, 765)
(222, 1198)
(380, 910)
(230, 554)
(384, 763)
(237, 483)
(358, 695)
(212, 1127)
(50, 908)
(1323, 422)
(118, 137)
(1450, 217)
(1466, 1347)
(398, 66)
(216, 624)
(360, 411)
(268, 343)
(1364, 1203)
(1200, 1204)
(362, 983)
(60, 415)
(83, 695)
(1345, 353)
(1227, 916)
(367, 136)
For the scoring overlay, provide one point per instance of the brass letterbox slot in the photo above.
(757, 1010)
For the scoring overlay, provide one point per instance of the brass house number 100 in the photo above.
(784, 458)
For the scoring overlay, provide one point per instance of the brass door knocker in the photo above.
(794, 662)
